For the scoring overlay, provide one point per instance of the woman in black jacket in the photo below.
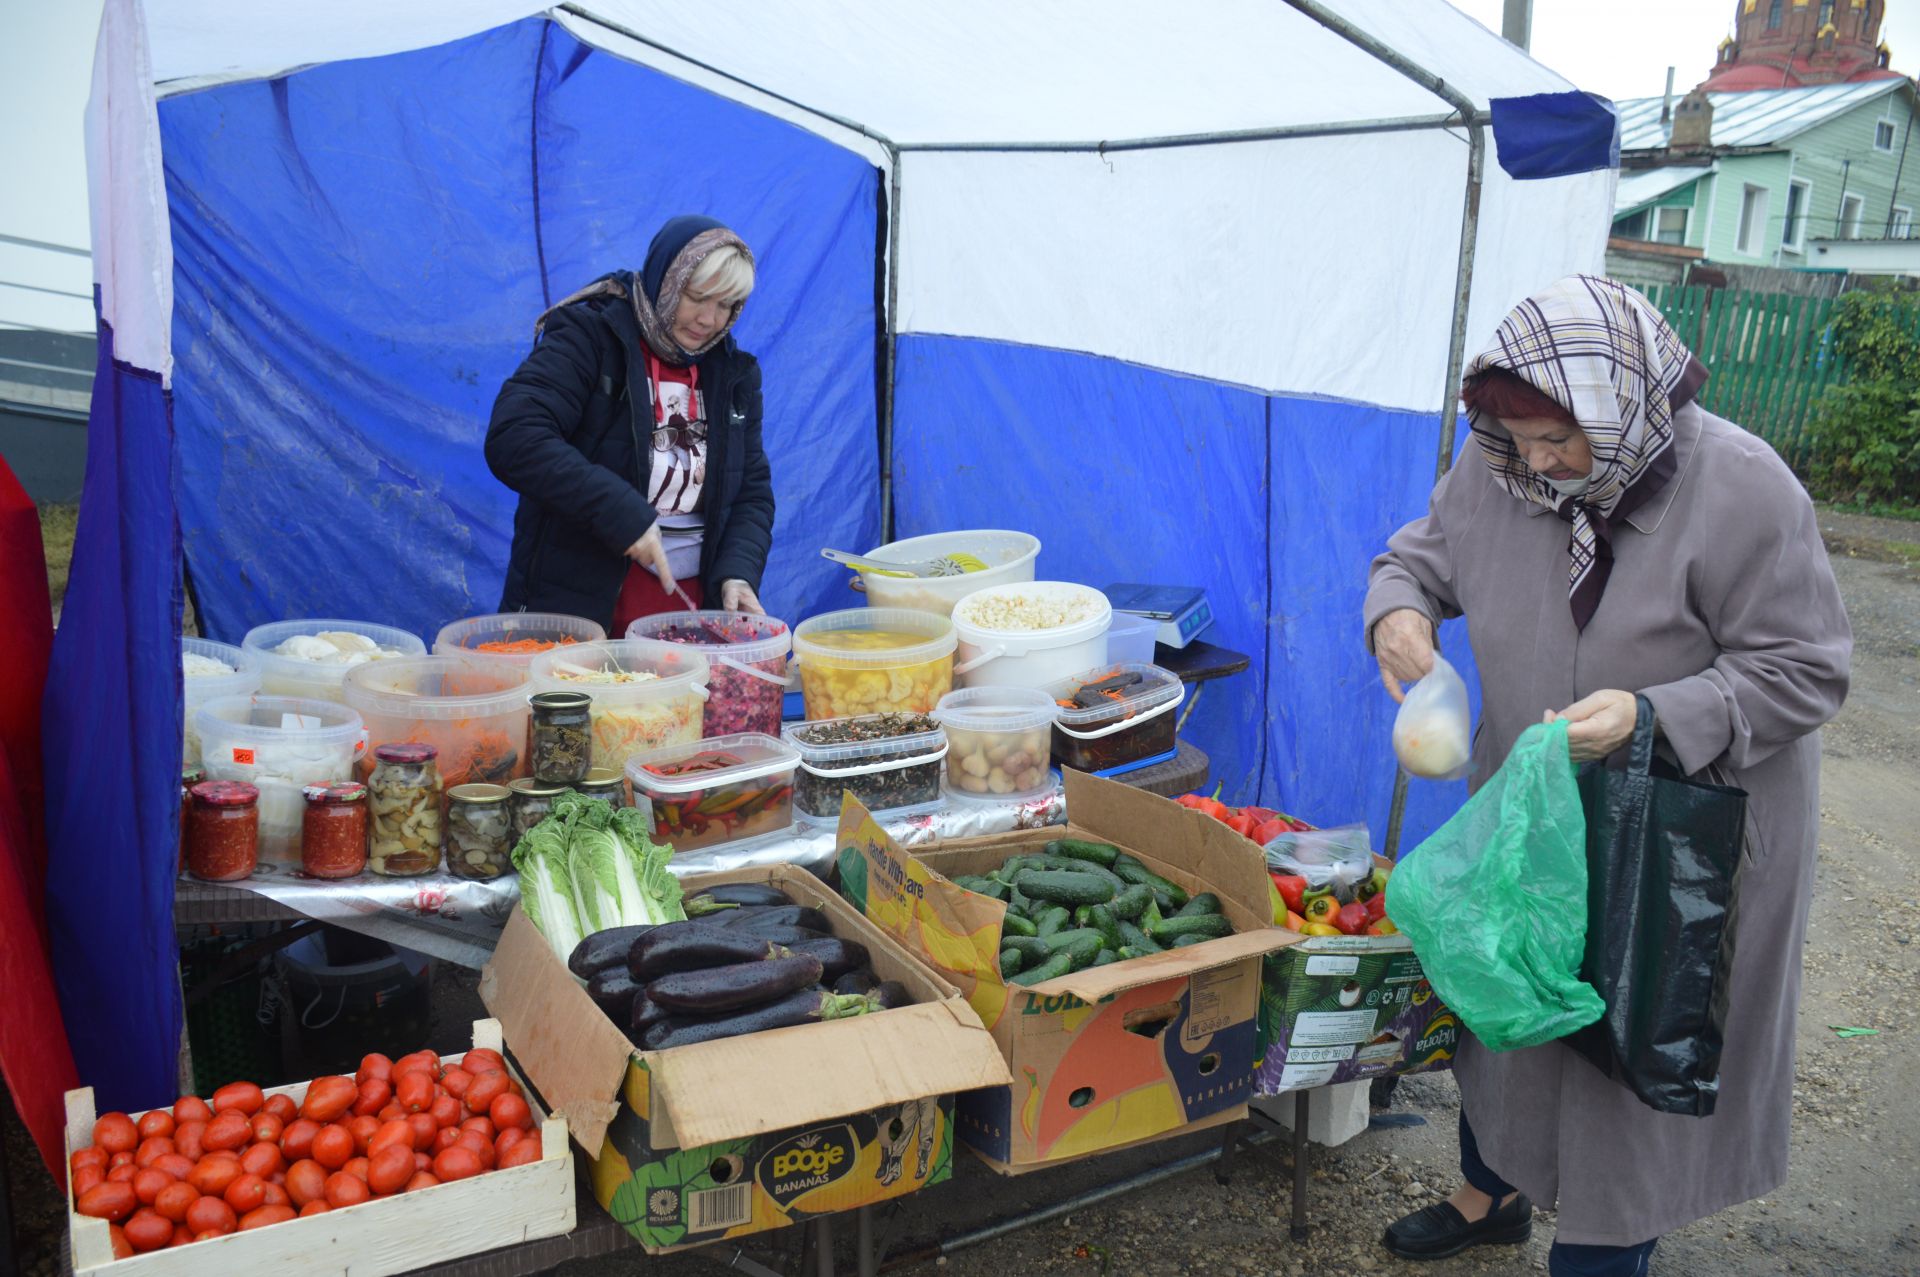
(632, 434)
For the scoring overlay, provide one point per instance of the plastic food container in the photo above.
(1009, 639)
(526, 631)
(646, 695)
(1121, 728)
(873, 661)
(201, 688)
(279, 745)
(1131, 639)
(472, 710)
(718, 790)
(889, 761)
(747, 660)
(998, 741)
(1009, 557)
(317, 680)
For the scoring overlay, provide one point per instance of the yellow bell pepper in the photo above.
(1321, 929)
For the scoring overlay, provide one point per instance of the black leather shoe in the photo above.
(1437, 1231)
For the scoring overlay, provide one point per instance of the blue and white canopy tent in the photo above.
(1181, 291)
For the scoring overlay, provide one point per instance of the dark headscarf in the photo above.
(673, 257)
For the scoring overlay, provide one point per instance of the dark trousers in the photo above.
(1564, 1259)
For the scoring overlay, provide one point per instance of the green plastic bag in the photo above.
(1495, 901)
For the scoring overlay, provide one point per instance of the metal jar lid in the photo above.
(192, 774)
(225, 793)
(560, 702)
(338, 791)
(528, 787)
(479, 794)
(406, 751)
(600, 778)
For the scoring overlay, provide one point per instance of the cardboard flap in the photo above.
(574, 1056)
(1090, 984)
(735, 1088)
(1132, 817)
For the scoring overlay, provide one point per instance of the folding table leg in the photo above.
(869, 1262)
(823, 1242)
(1299, 1229)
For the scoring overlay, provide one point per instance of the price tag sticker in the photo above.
(243, 756)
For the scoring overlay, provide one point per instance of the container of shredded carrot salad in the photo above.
(472, 709)
(515, 637)
(645, 694)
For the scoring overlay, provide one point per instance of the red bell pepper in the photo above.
(1208, 806)
(1243, 824)
(1376, 906)
(1272, 829)
(1351, 919)
(1292, 889)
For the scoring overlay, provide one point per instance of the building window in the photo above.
(1670, 225)
(1883, 135)
(1900, 225)
(1793, 229)
(1753, 220)
(1773, 14)
(1852, 209)
(1632, 226)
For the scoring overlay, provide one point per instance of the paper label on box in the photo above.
(1209, 997)
(1297, 1078)
(1333, 1028)
(1329, 964)
(1320, 1054)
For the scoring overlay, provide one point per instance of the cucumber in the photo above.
(1057, 965)
(1070, 865)
(1101, 919)
(982, 886)
(1009, 963)
(1052, 919)
(1182, 942)
(1078, 946)
(1139, 873)
(1132, 902)
(1081, 914)
(1031, 948)
(1100, 853)
(1137, 939)
(1208, 926)
(1067, 888)
(1205, 902)
(1017, 901)
(1015, 925)
(972, 882)
(1105, 956)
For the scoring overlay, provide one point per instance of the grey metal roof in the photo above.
(1647, 185)
(1759, 117)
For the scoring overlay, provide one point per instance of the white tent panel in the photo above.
(127, 194)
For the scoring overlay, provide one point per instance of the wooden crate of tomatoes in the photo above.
(408, 1162)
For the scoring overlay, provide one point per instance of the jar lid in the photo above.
(528, 787)
(226, 793)
(479, 794)
(406, 751)
(338, 791)
(560, 702)
(192, 774)
(600, 778)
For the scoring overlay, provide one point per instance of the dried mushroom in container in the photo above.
(479, 833)
(562, 736)
(404, 790)
(889, 761)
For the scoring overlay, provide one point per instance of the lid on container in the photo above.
(338, 791)
(560, 702)
(262, 639)
(905, 736)
(927, 636)
(996, 709)
(225, 793)
(528, 787)
(642, 669)
(240, 722)
(479, 795)
(600, 778)
(739, 636)
(1117, 691)
(720, 760)
(192, 774)
(245, 663)
(514, 636)
(436, 687)
(405, 751)
(1057, 609)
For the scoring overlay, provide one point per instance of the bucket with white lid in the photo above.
(317, 669)
(747, 658)
(1029, 634)
(998, 741)
(279, 745)
(196, 655)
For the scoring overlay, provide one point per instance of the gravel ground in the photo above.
(1848, 1210)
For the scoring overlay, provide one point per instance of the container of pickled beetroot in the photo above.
(747, 663)
(718, 790)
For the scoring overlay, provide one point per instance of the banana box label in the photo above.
(1339, 1009)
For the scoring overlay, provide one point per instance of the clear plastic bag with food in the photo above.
(1340, 858)
(1432, 733)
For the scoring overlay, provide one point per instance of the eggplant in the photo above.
(604, 949)
(744, 984)
(889, 995)
(861, 981)
(777, 933)
(760, 918)
(646, 1013)
(612, 991)
(746, 894)
(838, 957)
(689, 946)
(806, 1006)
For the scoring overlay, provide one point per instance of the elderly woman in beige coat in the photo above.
(1603, 535)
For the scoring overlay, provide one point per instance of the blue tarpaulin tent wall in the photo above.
(328, 229)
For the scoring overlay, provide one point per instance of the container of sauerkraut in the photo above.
(211, 670)
(646, 694)
(311, 658)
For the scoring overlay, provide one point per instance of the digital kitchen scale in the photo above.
(1182, 610)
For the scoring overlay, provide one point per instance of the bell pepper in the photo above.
(1376, 906)
(1262, 814)
(1208, 806)
(1319, 929)
(1295, 922)
(1271, 829)
(1383, 927)
(1351, 919)
(1321, 908)
(1243, 824)
(1292, 887)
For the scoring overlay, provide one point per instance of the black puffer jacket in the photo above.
(570, 433)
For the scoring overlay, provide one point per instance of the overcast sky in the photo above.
(1617, 48)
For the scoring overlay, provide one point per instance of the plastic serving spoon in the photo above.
(946, 565)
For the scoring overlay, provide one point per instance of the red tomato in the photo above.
(480, 1095)
(509, 1111)
(268, 1127)
(190, 1139)
(329, 1098)
(174, 1199)
(521, 1154)
(414, 1092)
(182, 1236)
(483, 1060)
(148, 1231)
(346, 1190)
(357, 1168)
(446, 1139)
(391, 1133)
(148, 1183)
(481, 1146)
(533, 1138)
(507, 1139)
(455, 1163)
(242, 1097)
(108, 1201)
(116, 1133)
(229, 1130)
(261, 1216)
(482, 1124)
(425, 1131)
(122, 1174)
(419, 1061)
(191, 1108)
(282, 1107)
(391, 1110)
(262, 1160)
(455, 1082)
(212, 1174)
(446, 1111)
(375, 1065)
(297, 1140)
(316, 1207)
(277, 1195)
(248, 1192)
(122, 1248)
(421, 1162)
(306, 1181)
(91, 1155)
(175, 1164)
(152, 1150)
(333, 1147)
(85, 1178)
(159, 1122)
(389, 1169)
(120, 1159)
(421, 1179)
(362, 1129)
(374, 1094)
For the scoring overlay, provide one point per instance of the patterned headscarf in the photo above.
(673, 257)
(1601, 351)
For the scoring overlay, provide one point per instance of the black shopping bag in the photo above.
(1663, 855)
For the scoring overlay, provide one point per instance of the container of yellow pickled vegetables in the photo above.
(645, 694)
(874, 660)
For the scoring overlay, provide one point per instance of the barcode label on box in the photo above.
(716, 1208)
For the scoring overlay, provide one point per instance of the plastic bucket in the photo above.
(1131, 639)
(999, 741)
(662, 705)
(992, 654)
(1009, 557)
(291, 676)
(747, 660)
(345, 995)
(279, 745)
(463, 637)
(244, 681)
(873, 660)
(472, 709)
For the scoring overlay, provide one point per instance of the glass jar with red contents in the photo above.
(223, 830)
(333, 830)
(190, 775)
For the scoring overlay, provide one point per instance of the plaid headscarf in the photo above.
(1601, 351)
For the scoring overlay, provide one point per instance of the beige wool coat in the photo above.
(1723, 611)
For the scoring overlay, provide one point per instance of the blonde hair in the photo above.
(727, 271)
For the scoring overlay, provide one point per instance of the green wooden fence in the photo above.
(1770, 355)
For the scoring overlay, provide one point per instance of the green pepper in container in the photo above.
(716, 791)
